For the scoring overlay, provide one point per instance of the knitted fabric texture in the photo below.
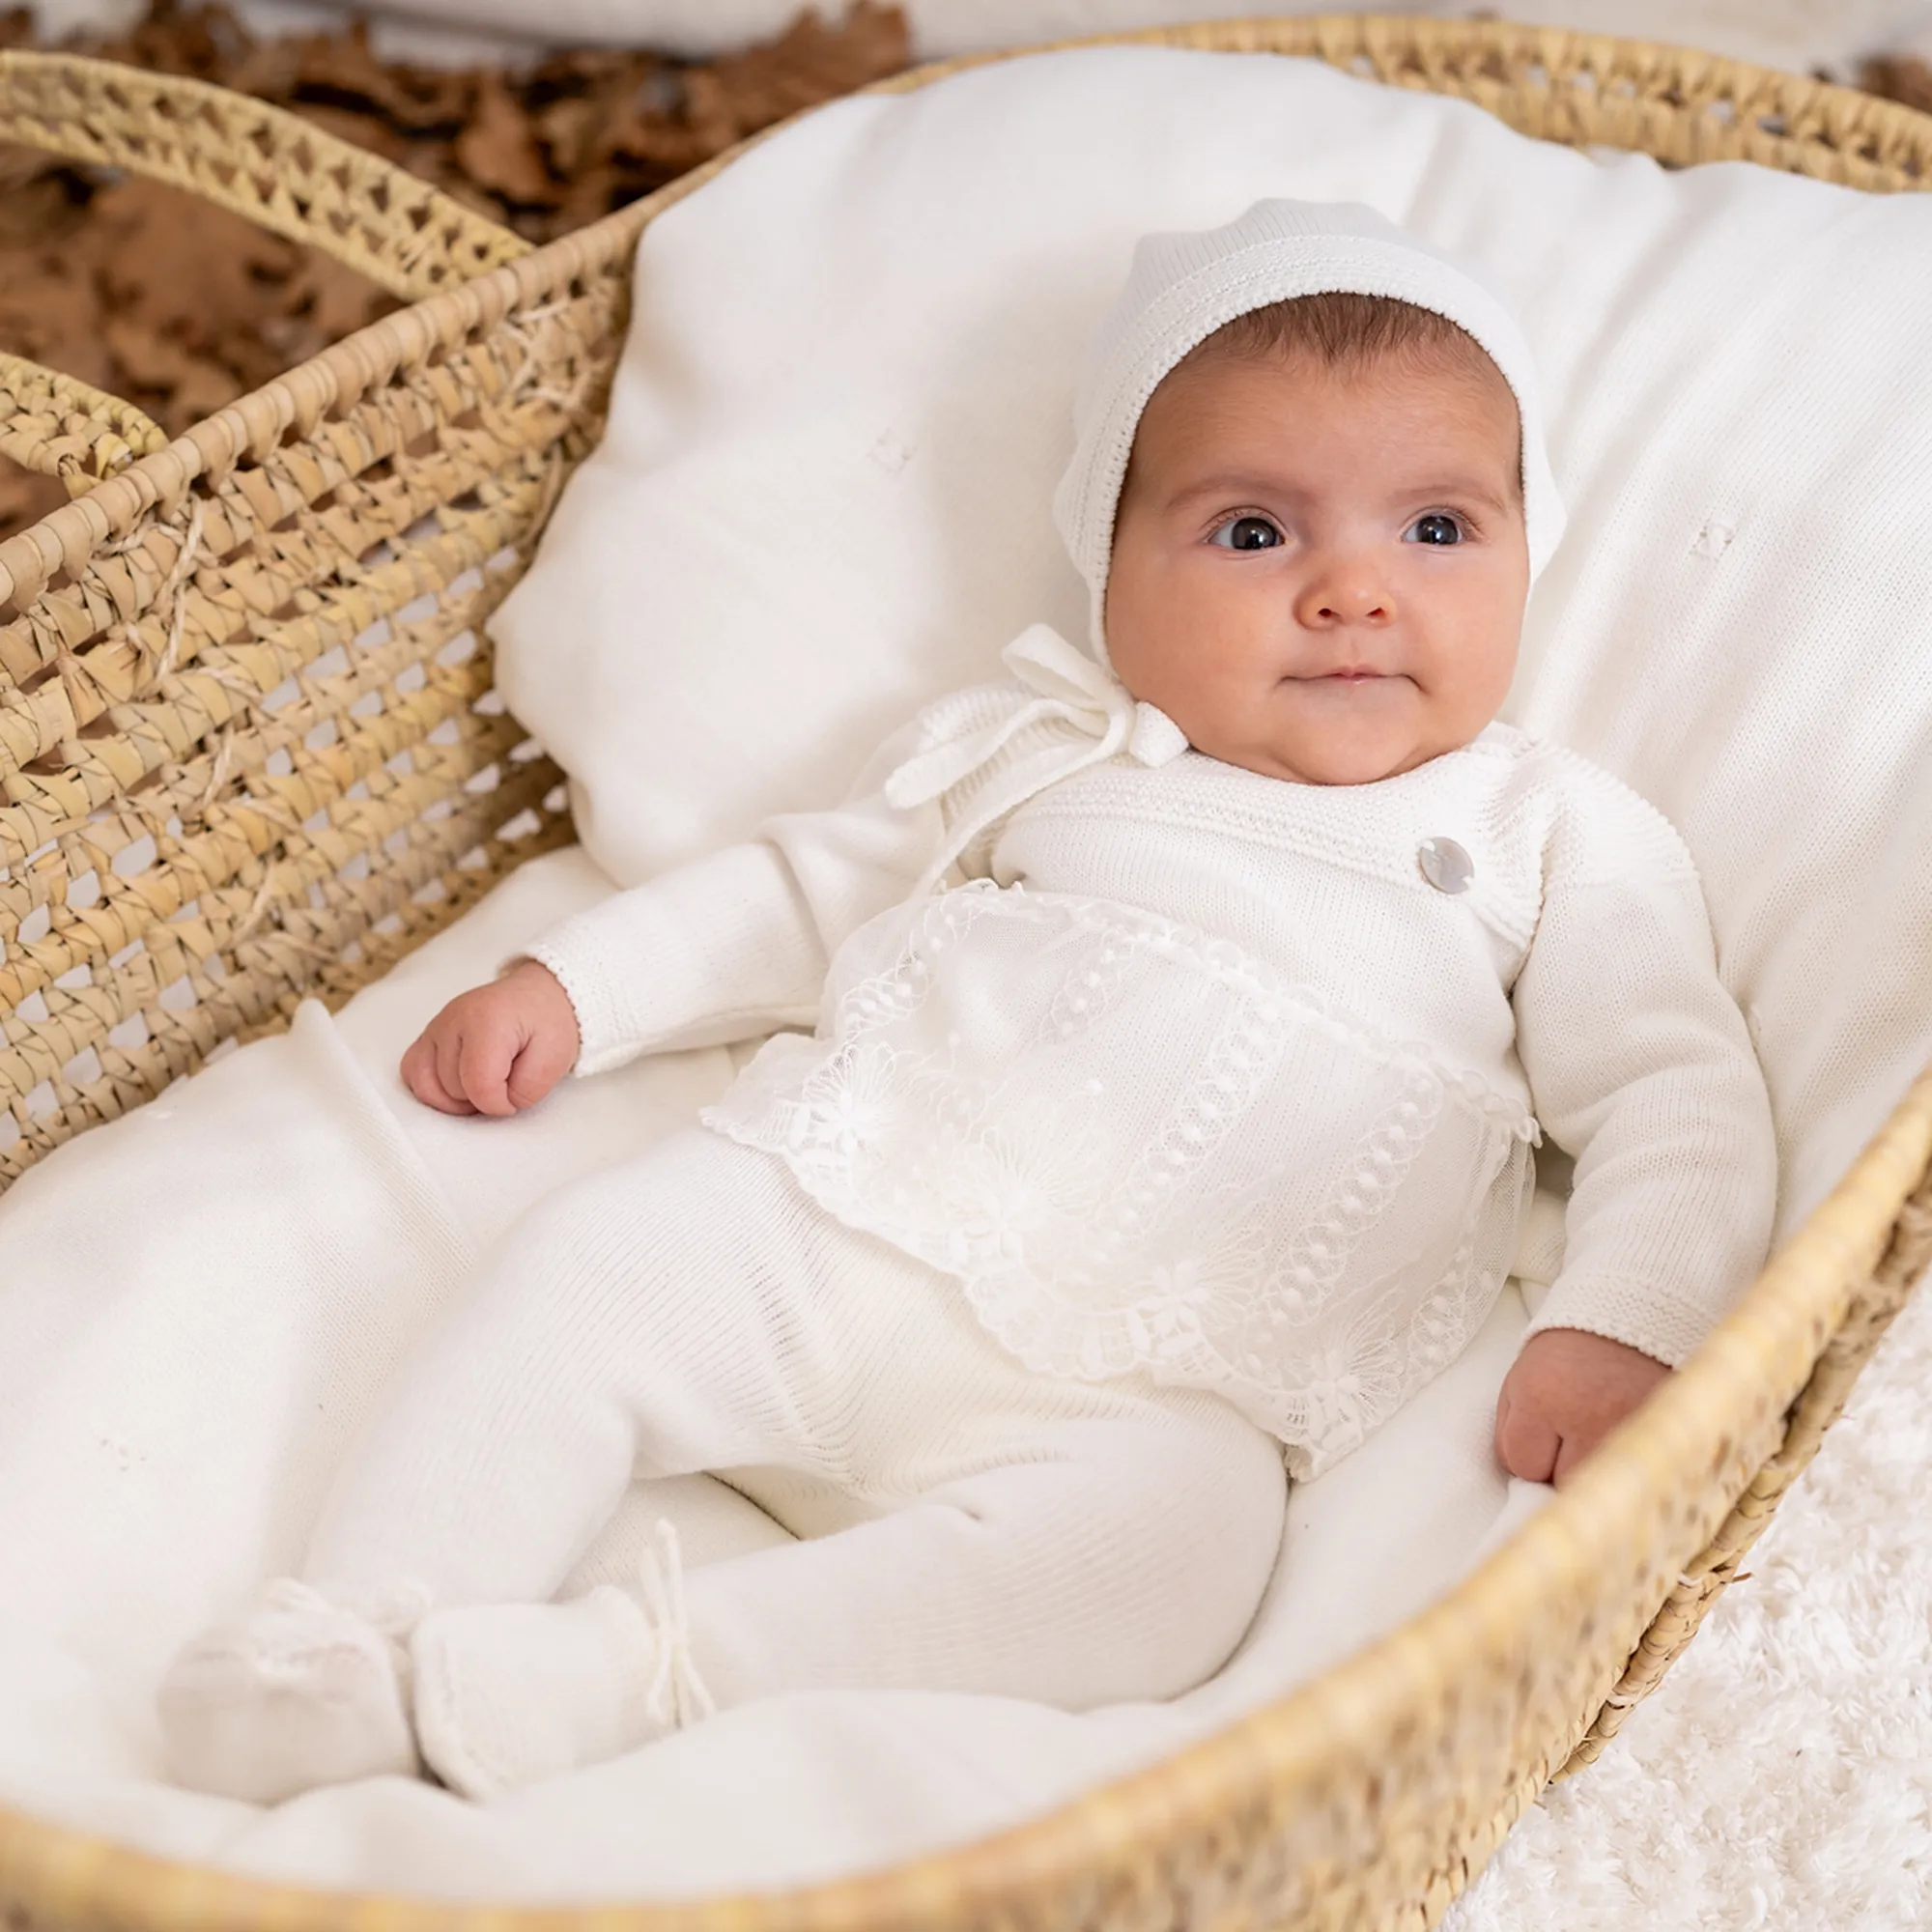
(965, 1524)
(1184, 287)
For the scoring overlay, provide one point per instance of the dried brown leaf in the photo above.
(180, 307)
(182, 267)
(50, 312)
(42, 201)
(811, 61)
(499, 149)
(340, 69)
(1900, 77)
(26, 496)
(181, 387)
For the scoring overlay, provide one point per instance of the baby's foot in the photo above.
(295, 1694)
(509, 1694)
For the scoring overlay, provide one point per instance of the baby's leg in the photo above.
(636, 1320)
(634, 1323)
(693, 1311)
(1027, 1537)
(1116, 1557)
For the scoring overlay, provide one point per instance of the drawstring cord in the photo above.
(677, 1695)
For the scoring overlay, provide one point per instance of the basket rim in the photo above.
(199, 104)
(1771, 1338)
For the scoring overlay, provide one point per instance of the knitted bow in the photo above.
(1065, 685)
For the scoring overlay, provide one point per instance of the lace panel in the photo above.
(1139, 1151)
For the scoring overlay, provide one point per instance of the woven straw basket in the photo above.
(248, 753)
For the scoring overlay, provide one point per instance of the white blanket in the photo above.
(200, 1302)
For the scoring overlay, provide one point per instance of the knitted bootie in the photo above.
(295, 1693)
(510, 1694)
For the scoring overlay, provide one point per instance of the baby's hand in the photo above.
(1567, 1391)
(497, 1048)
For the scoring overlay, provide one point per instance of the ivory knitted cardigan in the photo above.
(1573, 974)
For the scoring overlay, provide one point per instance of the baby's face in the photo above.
(1319, 573)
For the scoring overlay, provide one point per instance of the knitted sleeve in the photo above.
(738, 943)
(1641, 1068)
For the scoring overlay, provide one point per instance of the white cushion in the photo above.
(823, 496)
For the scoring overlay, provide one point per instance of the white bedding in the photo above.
(199, 1301)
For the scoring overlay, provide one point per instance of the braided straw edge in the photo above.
(260, 161)
(255, 160)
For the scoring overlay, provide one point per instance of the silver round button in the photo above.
(1445, 865)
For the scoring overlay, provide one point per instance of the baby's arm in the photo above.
(723, 947)
(1641, 1068)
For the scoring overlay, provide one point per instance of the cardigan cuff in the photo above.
(635, 981)
(1638, 1314)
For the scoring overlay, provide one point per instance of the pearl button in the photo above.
(1445, 865)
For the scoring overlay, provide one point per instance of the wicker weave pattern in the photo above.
(66, 428)
(280, 171)
(1675, 103)
(256, 160)
(247, 648)
(240, 759)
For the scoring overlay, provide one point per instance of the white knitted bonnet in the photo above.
(1184, 287)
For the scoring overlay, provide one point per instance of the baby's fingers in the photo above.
(547, 1057)
(485, 1054)
(423, 1079)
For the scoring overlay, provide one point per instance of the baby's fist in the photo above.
(499, 1048)
(1566, 1392)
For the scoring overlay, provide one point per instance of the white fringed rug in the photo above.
(1781, 1776)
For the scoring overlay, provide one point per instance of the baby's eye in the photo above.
(1437, 527)
(1247, 533)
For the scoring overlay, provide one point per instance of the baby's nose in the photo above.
(1343, 592)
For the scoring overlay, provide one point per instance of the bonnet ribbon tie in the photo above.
(1067, 684)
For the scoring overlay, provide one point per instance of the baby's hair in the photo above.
(1343, 331)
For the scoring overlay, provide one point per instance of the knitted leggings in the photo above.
(970, 1525)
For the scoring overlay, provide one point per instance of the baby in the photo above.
(1185, 1015)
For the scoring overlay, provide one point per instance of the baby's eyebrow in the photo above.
(1247, 484)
